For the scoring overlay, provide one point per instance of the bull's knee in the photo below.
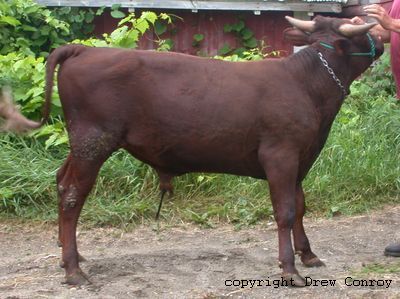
(285, 218)
(69, 196)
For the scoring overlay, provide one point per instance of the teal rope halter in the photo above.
(371, 53)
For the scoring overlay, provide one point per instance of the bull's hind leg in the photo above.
(281, 166)
(60, 189)
(301, 243)
(76, 185)
(89, 149)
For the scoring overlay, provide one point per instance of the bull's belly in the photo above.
(178, 162)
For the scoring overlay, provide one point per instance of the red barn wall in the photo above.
(268, 27)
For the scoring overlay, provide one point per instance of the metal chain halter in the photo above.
(332, 73)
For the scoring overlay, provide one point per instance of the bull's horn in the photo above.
(350, 30)
(308, 26)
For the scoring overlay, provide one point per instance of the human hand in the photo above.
(379, 13)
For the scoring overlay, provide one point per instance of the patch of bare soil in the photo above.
(189, 262)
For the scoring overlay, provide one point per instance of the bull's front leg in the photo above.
(301, 243)
(281, 167)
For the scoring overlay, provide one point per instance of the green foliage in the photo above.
(245, 37)
(384, 268)
(130, 29)
(26, 75)
(377, 81)
(80, 20)
(29, 28)
(197, 39)
(116, 13)
(255, 54)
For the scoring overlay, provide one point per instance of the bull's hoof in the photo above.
(294, 280)
(79, 278)
(313, 262)
(80, 259)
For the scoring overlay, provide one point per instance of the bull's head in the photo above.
(344, 37)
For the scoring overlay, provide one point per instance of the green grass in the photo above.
(378, 268)
(360, 164)
(358, 170)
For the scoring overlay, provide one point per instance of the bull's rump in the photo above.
(182, 113)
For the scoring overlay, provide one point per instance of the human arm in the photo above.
(380, 14)
(377, 30)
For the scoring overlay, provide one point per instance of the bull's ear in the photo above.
(341, 46)
(296, 36)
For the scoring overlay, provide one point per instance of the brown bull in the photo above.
(179, 114)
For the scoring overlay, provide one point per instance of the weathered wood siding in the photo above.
(267, 27)
(208, 17)
(243, 5)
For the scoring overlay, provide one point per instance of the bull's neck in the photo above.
(321, 83)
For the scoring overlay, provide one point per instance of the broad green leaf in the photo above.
(226, 48)
(28, 28)
(128, 18)
(227, 28)
(238, 26)
(119, 33)
(251, 43)
(116, 14)
(142, 25)
(159, 27)
(149, 16)
(31, 9)
(198, 37)
(133, 37)
(246, 33)
(63, 139)
(50, 141)
(9, 20)
(100, 11)
(165, 17)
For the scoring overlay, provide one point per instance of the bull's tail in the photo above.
(14, 120)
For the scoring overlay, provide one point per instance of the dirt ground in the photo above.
(190, 262)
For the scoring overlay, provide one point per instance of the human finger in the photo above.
(374, 9)
(357, 21)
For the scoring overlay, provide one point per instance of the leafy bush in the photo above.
(80, 20)
(375, 82)
(29, 28)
